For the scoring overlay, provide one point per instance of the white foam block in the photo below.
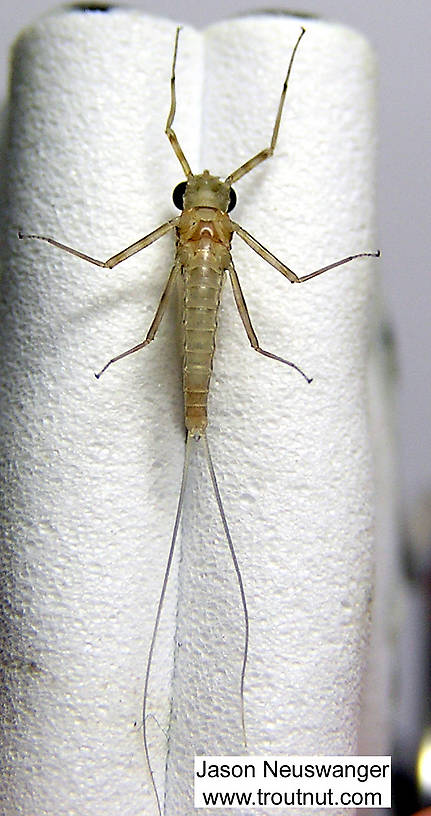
(94, 467)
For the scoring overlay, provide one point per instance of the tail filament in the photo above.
(163, 594)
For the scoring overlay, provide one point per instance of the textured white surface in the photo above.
(95, 467)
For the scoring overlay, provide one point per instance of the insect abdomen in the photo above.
(203, 276)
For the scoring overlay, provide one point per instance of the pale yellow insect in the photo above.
(204, 233)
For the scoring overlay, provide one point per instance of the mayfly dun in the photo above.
(204, 231)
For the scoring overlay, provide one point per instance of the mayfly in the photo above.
(204, 232)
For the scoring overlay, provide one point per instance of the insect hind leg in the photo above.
(161, 308)
(251, 334)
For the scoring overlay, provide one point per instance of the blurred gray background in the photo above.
(399, 31)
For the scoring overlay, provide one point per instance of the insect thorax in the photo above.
(205, 226)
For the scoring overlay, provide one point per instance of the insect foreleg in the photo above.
(245, 317)
(115, 259)
(156, 320)
(267, 151)
(285, 270)
(170, 133)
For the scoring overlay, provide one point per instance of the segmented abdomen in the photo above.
(203, 271)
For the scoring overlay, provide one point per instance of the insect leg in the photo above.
(285, 270)
(339, 263)
(245, 317)
(154, 325)
(267, 151)
(170, 133)
(115, 259)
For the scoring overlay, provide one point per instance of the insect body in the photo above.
(204, 232)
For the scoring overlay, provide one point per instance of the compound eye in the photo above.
(232, 199)
(178, 194)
